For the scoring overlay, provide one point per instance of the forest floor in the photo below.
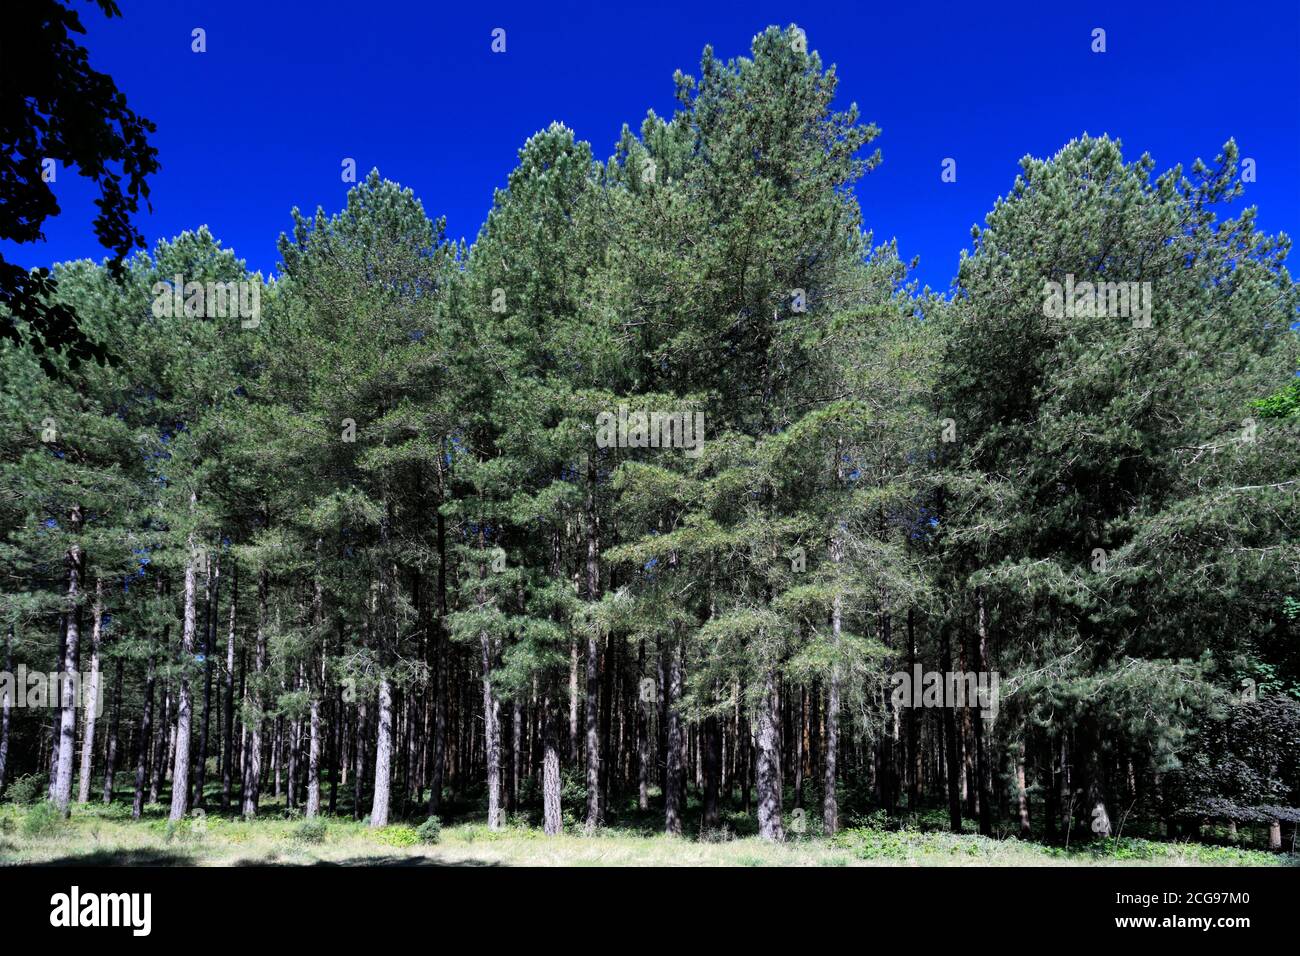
(99, 835)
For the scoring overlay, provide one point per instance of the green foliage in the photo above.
(1243, 764)
(1282, 404)
(397, 835)
(27, 789)
(42, 819)
(311, 831)
(430, 831)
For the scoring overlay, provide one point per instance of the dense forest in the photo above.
(673, 495)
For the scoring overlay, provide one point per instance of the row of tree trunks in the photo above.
(619, 743)
(691, 751)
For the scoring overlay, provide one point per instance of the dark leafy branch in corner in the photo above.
(54, 106)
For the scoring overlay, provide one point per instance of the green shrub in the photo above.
(430, 831)
(397, 836)
(42, 819)
(311, 831)
(28, 789)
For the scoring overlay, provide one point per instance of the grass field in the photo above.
(98, 835)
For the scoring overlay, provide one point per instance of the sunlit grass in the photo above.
(107, 835)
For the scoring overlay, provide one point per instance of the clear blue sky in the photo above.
(262, 120)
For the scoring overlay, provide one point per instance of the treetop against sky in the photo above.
(264, 119)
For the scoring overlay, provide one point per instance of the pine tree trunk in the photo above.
(228, 737)
(181, 767)
(56, 723)
(110, 759)
(213, 598)
(769, 764)
(800, 745)
(1099, 814)
(276, 750)
(442, 664)
(642, 737)
(438, 705)
(574, 751)
(402, 744)
(552, 815)
(316, 687)
(91, 697)
(1097, 810)
(1051, 810)
(359, 755)
(830, 802)
(516, 741)
(969, 789)
(914, 757)
(68, 702)
(439, 725)
(1022, 792)
(314, 750)
(608, 757)
(383, 756)
(674, 789)
(830, 805)
(337, 766)
(712, 759)
(6, 705)
(1065, 792)
(592, 582)
(292, 737)
(160, 745)
(253, 758)
(950, 740)
(983, 760)
(491, 736)
(144, 744)
(171, 748)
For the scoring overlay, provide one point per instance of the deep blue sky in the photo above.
(261, 121)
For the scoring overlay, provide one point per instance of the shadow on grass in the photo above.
(140, 857)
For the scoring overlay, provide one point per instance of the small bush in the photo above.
(430, 831)
(28, 789)
(311, 831)
(397, 836)
(42, 819)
